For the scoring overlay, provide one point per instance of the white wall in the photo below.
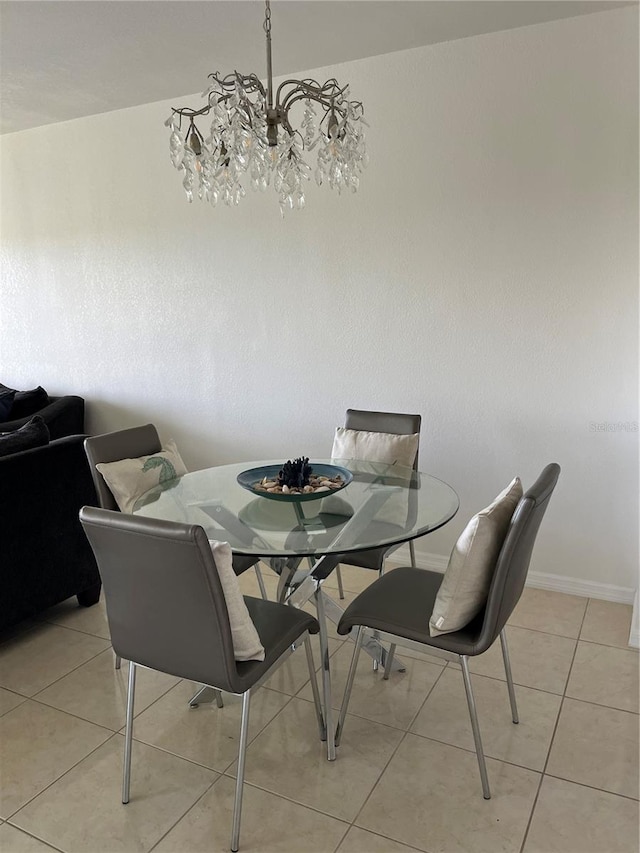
(485, 275)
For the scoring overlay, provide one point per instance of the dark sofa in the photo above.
(62, 415)
(45, 555)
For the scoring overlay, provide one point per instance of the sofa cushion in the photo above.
(34, 433)
(6, 401)
(466, 582)
(130, 479)
(27, 403)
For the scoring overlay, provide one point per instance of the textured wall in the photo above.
(485, 275)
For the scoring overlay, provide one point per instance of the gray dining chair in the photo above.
(397, 424)
(397, 607)
(130, 444)
(167, 612)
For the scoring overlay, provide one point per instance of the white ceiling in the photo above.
(62, 59)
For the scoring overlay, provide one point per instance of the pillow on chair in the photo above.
(375, 446)
(129, 479)
(466, 582)
(246, 641)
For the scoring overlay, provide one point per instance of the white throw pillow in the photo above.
(129, 479)
(466, 582)
(246, 641)
(375, 446)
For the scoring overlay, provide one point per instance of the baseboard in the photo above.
(538, 580)
(578, 586)
(634, 634)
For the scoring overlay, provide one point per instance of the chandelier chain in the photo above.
(267, 18)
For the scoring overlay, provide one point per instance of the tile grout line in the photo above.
(74, 669)
(233, 760)
(58, 778)
(31, 835)
(555, 729)
(593, 787)
(73, 628)
(73, 716)
(550, 692)
(288, 799)
(182, 816)
(378, 835)
(394, 752)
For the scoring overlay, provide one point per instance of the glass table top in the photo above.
(382, 505)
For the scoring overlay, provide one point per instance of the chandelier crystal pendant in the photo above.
(251, 138)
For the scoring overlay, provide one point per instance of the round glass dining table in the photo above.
(382, 506)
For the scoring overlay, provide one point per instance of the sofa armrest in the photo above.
(46, 556)
(63, 416)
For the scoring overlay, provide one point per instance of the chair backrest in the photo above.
(391, 422)
(113, 446)
(513, 561)
(165, 603)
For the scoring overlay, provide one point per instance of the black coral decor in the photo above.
(295, 475)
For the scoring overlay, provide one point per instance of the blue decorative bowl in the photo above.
(248, 479)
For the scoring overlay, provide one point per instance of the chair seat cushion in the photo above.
(371, 559)
(468, 576)
(397, 603)
(279, 626)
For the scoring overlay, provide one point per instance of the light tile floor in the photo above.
(565, 780)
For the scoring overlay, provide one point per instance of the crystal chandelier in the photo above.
(251, 138)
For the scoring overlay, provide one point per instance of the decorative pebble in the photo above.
(317, 483)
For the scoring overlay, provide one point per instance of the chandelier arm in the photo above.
(310, 87)
(187, 112)
(249, 82)
(331, 87)
(327, 105)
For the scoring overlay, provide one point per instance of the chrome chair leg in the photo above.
(326, 673)
(339, 579)
(507, 670)
(379, 658)
(218, 696)
(128, 735)
(412, 553)
(314, 689)
(242, 754)
(349, 684)
(118, 661)
(263, 590)
(388, 664)
(464, 663)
